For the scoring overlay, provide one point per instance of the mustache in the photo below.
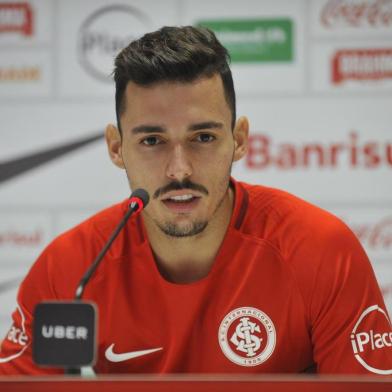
(177, 186)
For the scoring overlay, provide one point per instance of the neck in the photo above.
(193, 256)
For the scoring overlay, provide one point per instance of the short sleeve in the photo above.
(16, 348)
(350, 327)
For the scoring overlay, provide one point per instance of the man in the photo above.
(214, 275)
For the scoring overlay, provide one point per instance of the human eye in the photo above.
(150, 141)
(205, 138)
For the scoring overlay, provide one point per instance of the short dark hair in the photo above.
(180, 54)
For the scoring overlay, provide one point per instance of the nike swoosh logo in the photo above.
(17, 166)
(113, 357)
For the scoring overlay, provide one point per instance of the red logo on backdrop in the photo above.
(375, 236)
(371, 339)
(16, 17)
(363, 64)
(357, 14)
(19, 238)
(386, 290)
(264, 153)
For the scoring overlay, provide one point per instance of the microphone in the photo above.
(137, 201)
(64, 332)
(139, 198)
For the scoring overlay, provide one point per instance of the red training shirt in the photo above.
(291, 290)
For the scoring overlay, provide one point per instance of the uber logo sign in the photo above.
(64, 334)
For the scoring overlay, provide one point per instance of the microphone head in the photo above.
(139, 199)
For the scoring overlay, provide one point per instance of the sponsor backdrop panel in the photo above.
(26, 23)
(382, 271)
(23, 234)
(75, 168)
(351, 18)
(75, 179)
(334, 150)
(322, 150)
(84, 177)
(92, 32)
(11, 274)
(264, 38)
(66, 218)
(348, 66)
(25, 73)
(372, 224)
(35, 126)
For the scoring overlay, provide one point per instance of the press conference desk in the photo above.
(193, 383)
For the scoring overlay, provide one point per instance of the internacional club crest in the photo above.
(247, 336)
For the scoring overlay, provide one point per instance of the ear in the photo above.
(240, 135)
(113, 141)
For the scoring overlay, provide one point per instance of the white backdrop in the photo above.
(318, 94)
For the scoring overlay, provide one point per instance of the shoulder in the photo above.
(63, 262)
(93, 230)
(309, 239)
(314, 244)
(285, 219)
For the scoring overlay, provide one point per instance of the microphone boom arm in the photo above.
(138, 200)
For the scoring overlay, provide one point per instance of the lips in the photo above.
(181, 201)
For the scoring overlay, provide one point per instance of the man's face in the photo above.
(177, 143)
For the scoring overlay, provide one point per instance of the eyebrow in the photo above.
(148, 129)
(144, 128)
(205, 125)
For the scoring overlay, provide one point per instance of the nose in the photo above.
(179, 166)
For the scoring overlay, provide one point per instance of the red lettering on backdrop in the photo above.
(375, 236)
(258, 152)
(16, 17)
(361, 64)
(389, 154)
(21, 238)
(361, 231)
(286, 158)
(264, 153)
(356, 14)
(386, 290)
(381, 235)
(372, 157)
(336, 149)
(353, 148)
(314, 148)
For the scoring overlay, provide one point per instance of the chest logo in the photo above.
(247, 336)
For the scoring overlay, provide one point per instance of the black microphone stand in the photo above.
(134, 205)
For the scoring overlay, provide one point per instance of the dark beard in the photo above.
(173, 230)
